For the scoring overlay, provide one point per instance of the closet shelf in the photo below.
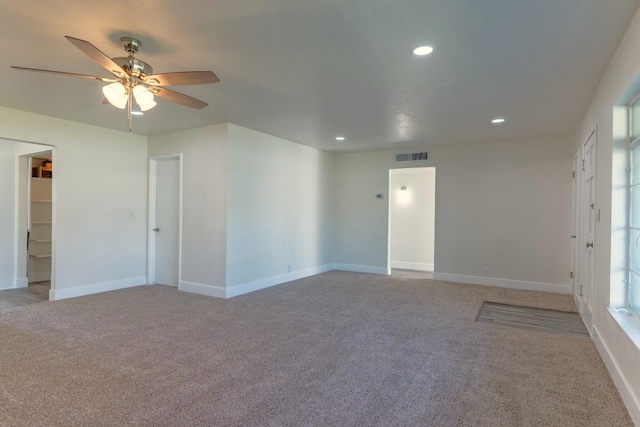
(40, 222)
(41, 240)
(40, 256)
(41, 201)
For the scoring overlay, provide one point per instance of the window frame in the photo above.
(634, 144)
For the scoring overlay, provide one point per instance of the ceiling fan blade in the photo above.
(63, 73)
(182, 78)
(179, 98)
(96, 54)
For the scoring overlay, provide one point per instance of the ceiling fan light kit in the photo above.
(134, 79)
(144, 98)
(116, 94)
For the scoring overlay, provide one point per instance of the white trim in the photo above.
(629, 399)
(245, 288)
(207, 290)
(96, 288)
(630, 324)
(411, 265)
(408, 170)
(504, 283)
(361, 268)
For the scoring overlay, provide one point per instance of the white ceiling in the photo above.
(308, 70)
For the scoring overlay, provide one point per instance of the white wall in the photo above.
(7, 213)
(503, 210)
(257, 210)
(96, 245)
(28, 148)
(280, 208)
(204, 207)
(411, 218)
(621, 79)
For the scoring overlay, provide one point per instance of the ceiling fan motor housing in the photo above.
(133, 66)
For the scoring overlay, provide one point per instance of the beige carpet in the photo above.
(338, 349)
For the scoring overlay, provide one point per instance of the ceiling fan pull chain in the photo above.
(129, 110)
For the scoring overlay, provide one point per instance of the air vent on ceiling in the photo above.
(411, 157)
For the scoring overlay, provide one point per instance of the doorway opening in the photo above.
(411, 241)
(164, 262)
(28, 236)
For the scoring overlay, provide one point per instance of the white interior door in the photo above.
(167, 222)
(589, 210)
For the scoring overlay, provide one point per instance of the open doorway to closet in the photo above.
(411, 246)
(27, 234)
(40, 222)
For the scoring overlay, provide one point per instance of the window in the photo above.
(633, 265)
(624, 291)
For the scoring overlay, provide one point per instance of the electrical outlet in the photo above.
(132, 213)
(289, 268)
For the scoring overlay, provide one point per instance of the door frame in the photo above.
(151, 210)
(23, 214)
(576, 226)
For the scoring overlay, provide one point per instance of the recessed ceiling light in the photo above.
(339, 138)
(497, 121)
(422, 50)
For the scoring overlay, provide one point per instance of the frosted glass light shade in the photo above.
(144, 98)
(116, 94)
(147, 105)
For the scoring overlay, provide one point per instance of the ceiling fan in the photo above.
(134, 79)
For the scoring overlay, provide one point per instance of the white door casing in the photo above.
(588, 224)
(575, 227)
(165, 219)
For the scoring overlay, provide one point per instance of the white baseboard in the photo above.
(361, 268)
(630, 400)
(419, 266)
(22, 282)
(207, 290)
(276, 280)
(245, 288)
(78, 291)
(503, 283)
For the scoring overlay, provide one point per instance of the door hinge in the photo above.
(580, 290)
(572, 274)
(573, 174)
(583, 169)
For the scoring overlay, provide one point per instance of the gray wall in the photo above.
(503, 209)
